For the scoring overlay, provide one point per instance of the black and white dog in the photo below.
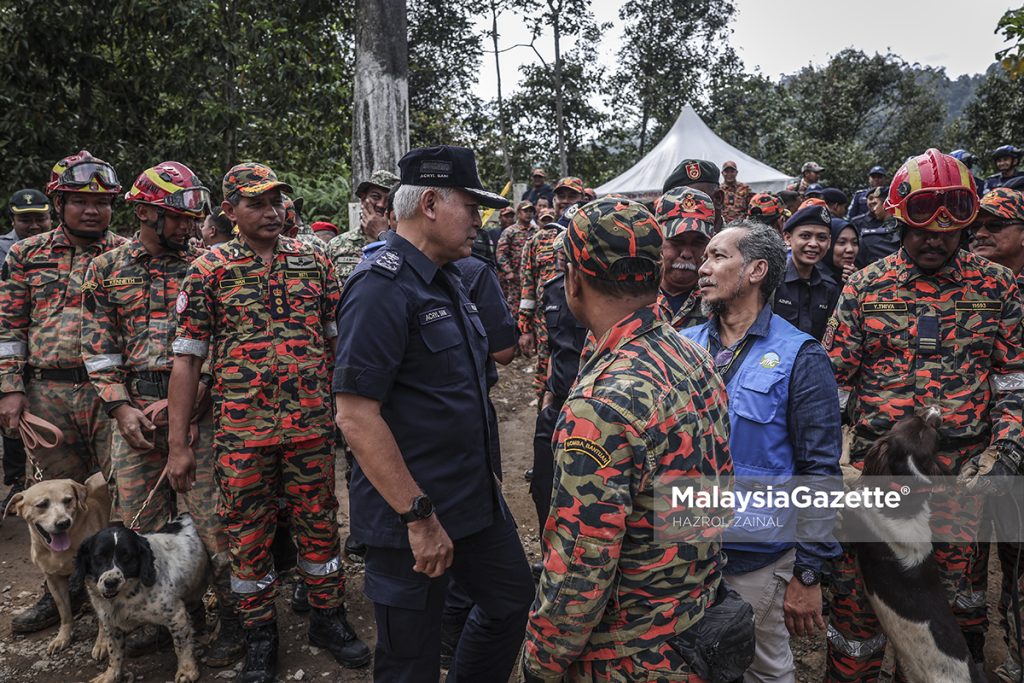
(136, 579)
(900, 576)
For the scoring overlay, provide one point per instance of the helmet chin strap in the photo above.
(81, 234)
(158, 228)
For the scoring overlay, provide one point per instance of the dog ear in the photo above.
(81, 495)
(147, 563)
(13, 506)
(83, 565)
(876, 461)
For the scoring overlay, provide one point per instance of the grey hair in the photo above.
(407, 198)
(760, 241)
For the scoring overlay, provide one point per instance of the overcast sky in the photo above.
(780, 36)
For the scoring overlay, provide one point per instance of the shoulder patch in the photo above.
(589, 448)
(388, 261)
(830, 333)
(182, 302)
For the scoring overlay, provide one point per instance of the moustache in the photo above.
(705, 282)
(684, 265)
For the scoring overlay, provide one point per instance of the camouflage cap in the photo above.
(381, 178)
(571, 182)
(546, 215)
(684, 209)
(615, 240)
(1004, 203)
(251, 180)
(691, 171)
(764, 205)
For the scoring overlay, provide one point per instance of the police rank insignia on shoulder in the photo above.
(589, 448)
(830, 333)
(389, 261)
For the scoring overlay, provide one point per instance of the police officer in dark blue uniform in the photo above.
(1005, 159)
(859, 203)
(808, 294)
(411, 392)
(879, 232)
(566, 337)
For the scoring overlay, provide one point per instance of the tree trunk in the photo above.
(643, 129)
(563, 164)
(380, 112)
(501, 103)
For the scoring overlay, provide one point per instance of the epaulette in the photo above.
(388, 262)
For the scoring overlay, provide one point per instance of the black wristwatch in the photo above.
(807, 576)
(421, 509)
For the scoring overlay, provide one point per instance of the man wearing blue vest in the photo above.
(784, 423)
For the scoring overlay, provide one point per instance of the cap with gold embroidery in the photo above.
(28, 200)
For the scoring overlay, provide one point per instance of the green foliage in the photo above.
(992, 119)
(206, 83)
(1011, 25)
(325, 196)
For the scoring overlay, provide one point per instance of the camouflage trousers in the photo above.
(856, 644)
(252, 481)
(1011, 560)
(663, 665)
(540, 373)
(136, 473)
(77, 411)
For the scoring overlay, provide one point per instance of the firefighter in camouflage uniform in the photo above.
(262, 308)
(647, 406)
(509, 255)
(40, 334)
(928, 326)
(537, 265)
(687, 219)
(128, 324)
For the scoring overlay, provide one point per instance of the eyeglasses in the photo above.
(923, 207)
(82, 173)
(995, 227)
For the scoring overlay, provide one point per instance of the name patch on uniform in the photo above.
(122, 281)
(551, 308)
(302, 275)
(301, 262)
(884, 306)
(239, 281)
(32, 265)
(181, 303)
(348, 259)
(434, 315)
(996, 306)
(589, 448)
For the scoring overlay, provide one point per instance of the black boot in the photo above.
(147, 639)
(354, 550)
(230, 643)
(261, 655)
(976, 646)
(329, 629)
(450, 634)
(44, 613)
(300, 597)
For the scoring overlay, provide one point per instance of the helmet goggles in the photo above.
(84, 173)
(926, 206)
(193, 200)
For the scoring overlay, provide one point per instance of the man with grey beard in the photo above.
(687, 219)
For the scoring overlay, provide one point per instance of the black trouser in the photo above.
(14, 461)
(543, 461)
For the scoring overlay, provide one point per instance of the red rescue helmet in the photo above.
(933, 191)
(82, 172)
(171, 186)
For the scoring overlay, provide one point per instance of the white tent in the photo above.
(690, 138)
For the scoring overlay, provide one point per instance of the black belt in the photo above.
(76, 375)
(149, 383)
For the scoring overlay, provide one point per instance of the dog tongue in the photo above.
(60, 542)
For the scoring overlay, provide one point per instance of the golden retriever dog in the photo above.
(61, 513)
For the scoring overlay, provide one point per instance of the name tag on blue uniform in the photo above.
(434, 315)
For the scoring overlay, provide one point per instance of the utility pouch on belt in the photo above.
(719, 647)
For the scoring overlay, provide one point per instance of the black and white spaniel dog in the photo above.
(900, 576)
(136, 579)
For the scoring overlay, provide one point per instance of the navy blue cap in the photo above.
(447, 166)
(809, 215)
(691, 171)
(833, 195)
(813, 188)
(877, 170)
(28, 200)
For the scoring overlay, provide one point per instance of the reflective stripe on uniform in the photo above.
(319, 568)
(971, 600)
(844, 398)
(527, 304)
(16, 349)
(1006, 383)
(331, 330)
(858, 649)
(191, 347)
(103, 361)
(243, 587)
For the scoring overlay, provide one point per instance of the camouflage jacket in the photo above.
(647, 408)
(345, 252)
(129, 320)
(688, 315)
(268, 329)
(41, 300)
(735, 201)
(510, 263)
(537, 265)
(902, 340)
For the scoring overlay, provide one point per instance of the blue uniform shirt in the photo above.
(410, 338)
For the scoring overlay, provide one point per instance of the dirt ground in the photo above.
(23, 659)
